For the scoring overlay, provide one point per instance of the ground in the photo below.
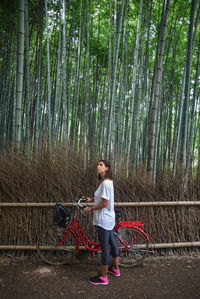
(158, 277)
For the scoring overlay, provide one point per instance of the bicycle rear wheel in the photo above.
(131, 256)
(48, 249)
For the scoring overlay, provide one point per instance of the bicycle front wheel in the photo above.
(133, 246)
(52, 250)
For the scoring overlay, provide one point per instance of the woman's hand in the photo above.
(86, 210)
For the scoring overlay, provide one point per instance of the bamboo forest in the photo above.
(84, 80)
(117, 79)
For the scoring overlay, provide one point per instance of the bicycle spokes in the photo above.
(54, 247)
(133, 246)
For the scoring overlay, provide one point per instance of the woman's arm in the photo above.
(103, 204)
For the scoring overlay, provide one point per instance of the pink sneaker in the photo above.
(114, 272)
(98, 280)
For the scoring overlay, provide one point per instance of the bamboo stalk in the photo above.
(156, 246)
(117, 204)
(175, 245)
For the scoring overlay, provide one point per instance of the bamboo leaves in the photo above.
(116, 78)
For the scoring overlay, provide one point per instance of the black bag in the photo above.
(60, 215)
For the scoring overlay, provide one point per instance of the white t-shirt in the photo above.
(105, 217)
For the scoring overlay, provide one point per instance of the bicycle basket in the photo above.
(60, 215)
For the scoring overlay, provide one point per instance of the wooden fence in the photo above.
(117, 204)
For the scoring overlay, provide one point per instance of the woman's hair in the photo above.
(108, 174)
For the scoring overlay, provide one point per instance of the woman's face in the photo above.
(101, 168)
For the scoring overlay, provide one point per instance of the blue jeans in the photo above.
(106, 238)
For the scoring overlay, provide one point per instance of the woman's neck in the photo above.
(103, 179)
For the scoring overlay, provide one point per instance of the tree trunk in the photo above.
(20, 75)
(187, 85)
(158, 81)
(48, 80)
(133, 89)
(27, 80)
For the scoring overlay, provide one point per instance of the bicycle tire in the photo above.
(48, 250)
(138, 251)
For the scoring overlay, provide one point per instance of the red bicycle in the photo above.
(57, 245)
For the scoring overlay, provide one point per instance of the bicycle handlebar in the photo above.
(79, 205)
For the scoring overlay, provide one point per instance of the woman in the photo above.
(104, 219)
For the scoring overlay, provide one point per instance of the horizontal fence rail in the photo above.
(153, 246)
(117, 204)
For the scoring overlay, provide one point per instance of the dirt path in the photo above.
(167, 277)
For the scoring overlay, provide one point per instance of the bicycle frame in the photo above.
(75, 227)
(93, 246)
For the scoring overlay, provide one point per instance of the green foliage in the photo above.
(8, 14)
(88, 93)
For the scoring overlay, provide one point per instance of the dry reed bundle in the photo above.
(61, 177)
